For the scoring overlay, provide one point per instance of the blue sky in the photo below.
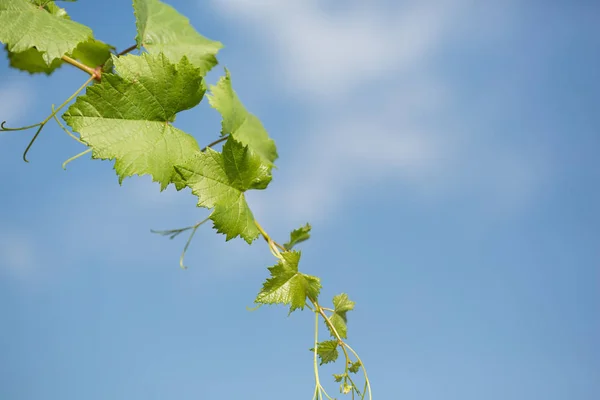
(445, 153)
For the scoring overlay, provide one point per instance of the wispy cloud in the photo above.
(378, 108)
(345, 159)
(327, 54)
(364, 48)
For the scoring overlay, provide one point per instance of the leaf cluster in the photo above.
(128, 116)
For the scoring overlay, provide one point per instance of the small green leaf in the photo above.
(339, 320)
(160, 28)
(288, 286)
(93, 52)
(355, 367)
(338, 377)
(24, 25)
(220, 180)
(346, 388)
(297, 236)
(238, 122)
(127, 117)
(327, 352)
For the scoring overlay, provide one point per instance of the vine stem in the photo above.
(273, 246)
(45, 121)
(343, 345)
(175, 232)
(75, 157)
(368, 383)
(315, 362)
(268, 239)
(64, 128)
(127, 50)
(319, 390)
(320, 311)
(96, 73)
(187, 244)
(327, 321)
(224, 138)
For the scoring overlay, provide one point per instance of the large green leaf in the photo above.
(220, 180)
(128, 116)
(288, 286)
(238, 122)
(160, 28)
(24, 25)
(91, 52)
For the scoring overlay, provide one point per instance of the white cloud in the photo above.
(366, 47)
(379, 110)
(348, 158)
(330, 54)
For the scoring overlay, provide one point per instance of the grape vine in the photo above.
(127, 113)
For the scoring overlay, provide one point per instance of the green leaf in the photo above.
(127, 117)
(46, 2)
(52, 8)
(32, 61)
(160, 28)
(327, 352)
(220, 180)
(346, 388)
(342, 304)
(288, 286)
(24, 25)
(297, 236)
(238, 122)
(354, 368)
(93, 52)
(338, 377)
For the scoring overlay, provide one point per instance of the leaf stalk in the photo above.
(96, 73)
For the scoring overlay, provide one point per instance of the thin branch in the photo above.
(315, 361)
(96, 73)
(23, 128)
(187, 244)
(43, 123)
(75, 157)
(362, 365)
(268, 239)
(224, 138)
(172, 233)
(328, 322)
(64, 128)
(127, 50)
